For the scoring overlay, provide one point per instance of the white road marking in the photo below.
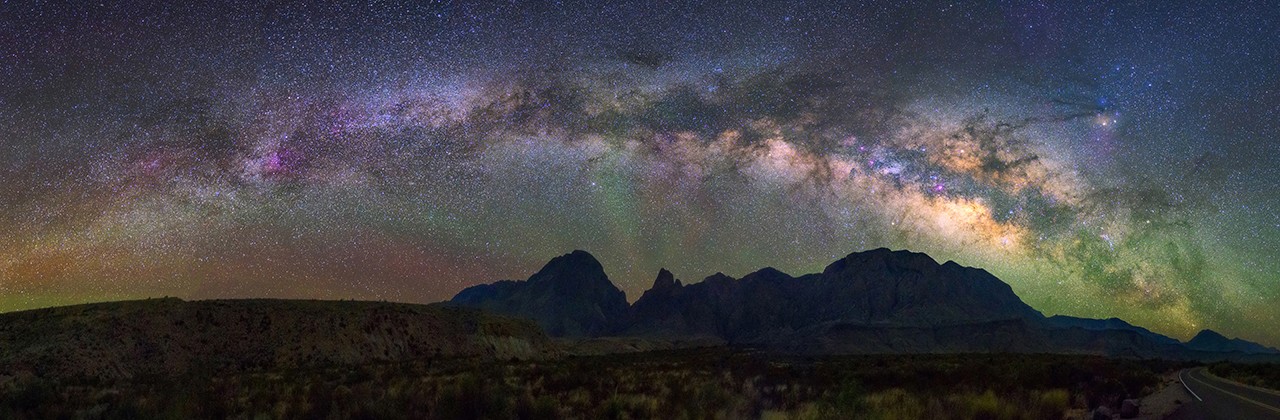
(1184, 385)
(1263, 405)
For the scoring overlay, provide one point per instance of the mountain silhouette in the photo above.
(878, 287)
(1090, 324)
(873, 302)
(569, 297)
(1212, 341)
(877, 301)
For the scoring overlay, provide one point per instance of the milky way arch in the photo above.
(1103, 160)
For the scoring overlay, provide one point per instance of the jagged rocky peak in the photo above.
(665, 281)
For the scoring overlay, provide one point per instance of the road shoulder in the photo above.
(1168, 399)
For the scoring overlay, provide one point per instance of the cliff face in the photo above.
(169, 336)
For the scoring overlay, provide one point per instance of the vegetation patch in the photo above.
(1265, 375)
(679, 384)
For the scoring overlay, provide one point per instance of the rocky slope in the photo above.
(169, 337)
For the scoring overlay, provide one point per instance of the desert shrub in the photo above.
(466, 398)
(32, 394)
(541, 408)
(893, 404)
(1050, 404)
(1266, 375)
(983, 406)
(848, 397)
(695, 383)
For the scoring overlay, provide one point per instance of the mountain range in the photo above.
(873, 302)
(878, 301)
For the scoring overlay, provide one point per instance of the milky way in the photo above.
(1104, 160)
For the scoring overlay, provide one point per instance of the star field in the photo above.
(1105, 160)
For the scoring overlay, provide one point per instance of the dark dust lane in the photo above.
(1221, 399)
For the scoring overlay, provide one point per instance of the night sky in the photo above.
(1105, 160)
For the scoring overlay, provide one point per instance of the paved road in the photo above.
(1219, 399)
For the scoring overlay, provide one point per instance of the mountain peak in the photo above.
(911, 287)
(576, 262)
(877, 287)
(665, 281)
(1208, 334)
(874, 301)
(575, 273)
(882, 258)
(1210, 340)
(768, 273)
(570, 296)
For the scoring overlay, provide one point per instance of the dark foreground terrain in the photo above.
(692, 383)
